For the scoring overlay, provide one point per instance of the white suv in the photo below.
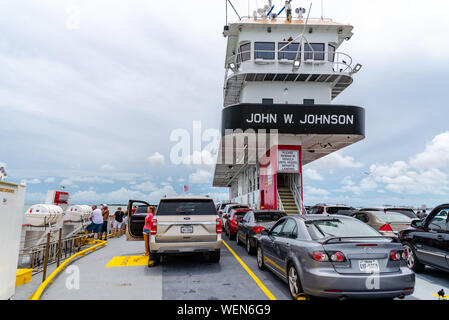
(186, 224)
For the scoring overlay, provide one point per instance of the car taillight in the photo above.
(338, 257)
(405, 255)
(153, 227)
(258, 229)
(219, 226)
(319, 256)
(386, 227)
(395, 255)
(234, 221)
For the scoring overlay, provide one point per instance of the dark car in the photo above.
(335, 256)
(232, 221)
(427, 242)
(332, 209)
(406, 211)
(252, 225)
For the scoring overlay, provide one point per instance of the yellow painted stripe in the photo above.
(274, 264)
(259, 283)
(43, 286)
(445, 297)
(128, 261)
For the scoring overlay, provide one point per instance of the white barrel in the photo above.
(39, 215)
(78, 212)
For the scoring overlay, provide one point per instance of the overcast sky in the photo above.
(90, 92)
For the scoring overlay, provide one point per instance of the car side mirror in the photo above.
(417, 224)
(264, 232)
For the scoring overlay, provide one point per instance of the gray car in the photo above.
(335, 256)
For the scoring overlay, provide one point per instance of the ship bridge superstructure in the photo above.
(265, 57)
(281, 75)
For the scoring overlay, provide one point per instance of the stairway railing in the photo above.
(280, 204)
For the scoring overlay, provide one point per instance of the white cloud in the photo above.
(33, 181)
(49, 180)
(200, 176)
(156, 160)
(145, 186)
(336, 160)
(316, 191)
(312, 175)
(436, 154)
(107, 167)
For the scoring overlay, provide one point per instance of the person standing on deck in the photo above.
(97, 222)
(146, 229)
(118, 220)
(125, 219)
(104, 229)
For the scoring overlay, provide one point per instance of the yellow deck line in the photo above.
(43, 286)
(259, 283)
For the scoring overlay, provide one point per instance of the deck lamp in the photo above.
(296, 63)
(357, 68)
(232, 66)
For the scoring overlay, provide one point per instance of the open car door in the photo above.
(136, 220)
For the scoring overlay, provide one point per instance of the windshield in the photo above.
(268, 216)
(319, 229)
(186, 207)
(391, 216)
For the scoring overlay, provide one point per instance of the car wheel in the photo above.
(294, 283)
(249, 248)
(412, 260)
(214, 256)
(237, 238)
(154, 260)
(260, 262)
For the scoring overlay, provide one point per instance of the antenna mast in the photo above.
(322, 9)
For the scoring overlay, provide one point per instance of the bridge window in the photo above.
(264, 50)
(314, 51)
(244, 52)
(331, 55)
(288, 52)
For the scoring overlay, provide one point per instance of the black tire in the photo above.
(294, 283)
(154, 259)
(412, 261)
(214, 256)
(249, 247)
(232, 237)
(260, 261)
(237, 238)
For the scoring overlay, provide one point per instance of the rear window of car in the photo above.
(319, 229)
(268, 216)
(241, 213)
(186, 207)
(408, 212)
(339, 210)
(391, 216)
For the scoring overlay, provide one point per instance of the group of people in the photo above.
(100, 221)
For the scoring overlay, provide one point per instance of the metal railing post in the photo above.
(59, 247)
(46, 257)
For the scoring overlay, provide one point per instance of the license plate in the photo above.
(369, 266)
(187, 229)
